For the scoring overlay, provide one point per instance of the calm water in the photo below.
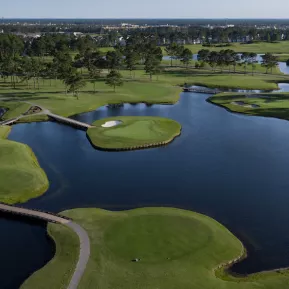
(230, 167)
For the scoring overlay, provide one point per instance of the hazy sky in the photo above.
(144, 9)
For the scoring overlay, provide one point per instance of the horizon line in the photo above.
(142, 18)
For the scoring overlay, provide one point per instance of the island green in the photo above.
(133, 132)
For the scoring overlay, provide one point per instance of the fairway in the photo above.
(21, 177)
(133, 132)
(281, 47)
(175, 248)
(54, 99)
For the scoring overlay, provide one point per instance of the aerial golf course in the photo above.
(162, 248)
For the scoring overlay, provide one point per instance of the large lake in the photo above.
(231, 167)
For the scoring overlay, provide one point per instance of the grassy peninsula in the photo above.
(133, 132)
(264, 104)
(176, 248)
(21, 177)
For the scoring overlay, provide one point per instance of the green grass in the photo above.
(54, 98)
(64, 261)
(259, 47)
(21, 177)
(177, 248)
(14, 108)
(239, 69)
(270, 105)
(178, 76)
(163, 89)
(282, 57)
(4, 131)
(133, 132)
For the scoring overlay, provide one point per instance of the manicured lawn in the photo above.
(270, 105)
(282, 57)
(54, 98)
(176, 248)
(163, 89)
(15, 108)
(4, 131)
(259, 48)
(21, 177)
(133, 132)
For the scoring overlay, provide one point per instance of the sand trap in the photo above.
(112, 123)
(242, 103)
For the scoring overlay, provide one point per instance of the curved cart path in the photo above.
(84, 252)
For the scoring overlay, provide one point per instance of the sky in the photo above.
(144, 9)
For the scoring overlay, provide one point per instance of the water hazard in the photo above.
(228, 166)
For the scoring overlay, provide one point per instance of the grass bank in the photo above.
(266, 104)
(176, 248)
(133, 132)
(21, 177)
(54, 98)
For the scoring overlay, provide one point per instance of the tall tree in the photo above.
(114, 60)
(114, 79)
(245, 58)
(203, 55)
(252, 60)
(131, 60)
(186, 57)
(94, 75)
(173, 50)
(235, 60)
(74, 82)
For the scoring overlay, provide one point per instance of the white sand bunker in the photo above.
(112, 123)
(242, 103)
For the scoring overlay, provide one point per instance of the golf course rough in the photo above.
(21, 177)
(176, 249)
(133, 132)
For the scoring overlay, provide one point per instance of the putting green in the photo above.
(133, 132)
(176, 249)
(21, 177)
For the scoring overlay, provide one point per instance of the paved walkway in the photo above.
(47, 112)
(69, 121)
(84, 252)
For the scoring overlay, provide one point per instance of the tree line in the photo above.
(23, 63)
(229, 58)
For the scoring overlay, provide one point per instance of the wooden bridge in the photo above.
(200, 90)
(84, 241)
(48, 217)
(10, 121)
(69, 121)
(58, 118)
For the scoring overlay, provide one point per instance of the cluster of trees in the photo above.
(269, 61)
(176, 51)
(23, 63)
(229, 58)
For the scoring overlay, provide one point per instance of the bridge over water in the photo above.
(84, 252)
